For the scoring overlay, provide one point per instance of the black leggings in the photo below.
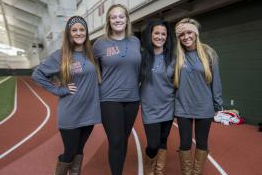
(202, 127)
(118, 119)
(157, 134)
(74, 141)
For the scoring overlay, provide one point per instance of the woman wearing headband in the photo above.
(119, 55)
(78, 92)
(157, 93)
(198, 94)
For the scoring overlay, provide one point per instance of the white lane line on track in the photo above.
(35, 131)
(14, 107)
(217, 166)
(1, 81)
(139, 153)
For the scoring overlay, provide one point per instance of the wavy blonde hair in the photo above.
(108, 29)
(67, 56)
(204, 57)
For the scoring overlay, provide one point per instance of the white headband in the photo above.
(186, 26)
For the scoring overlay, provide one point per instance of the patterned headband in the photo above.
(186, 26)
(76, 19)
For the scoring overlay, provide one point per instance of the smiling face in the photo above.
(188, 39)
(78, 34)
(117, 19)
(158, 36)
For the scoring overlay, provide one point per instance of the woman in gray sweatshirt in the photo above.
(119, 55)
(198, 95)
(157, 93)
(78, 92)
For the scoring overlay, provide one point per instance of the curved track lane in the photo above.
(40, 151)
(237, 149)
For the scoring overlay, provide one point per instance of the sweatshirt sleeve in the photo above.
(45, 71)
(96, 51)
(216, 86)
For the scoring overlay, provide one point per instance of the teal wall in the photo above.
(235, 32)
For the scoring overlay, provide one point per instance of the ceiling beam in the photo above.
(16, 40)
(21, 44)
(19, 14)
(21, 37)
(21, 24)
(5, 22)
(33, 7)
(17, 28)
(20, 31)
(44, 2)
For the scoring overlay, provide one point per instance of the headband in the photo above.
(76, 19)
(186, 26)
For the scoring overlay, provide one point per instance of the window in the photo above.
(101, 9)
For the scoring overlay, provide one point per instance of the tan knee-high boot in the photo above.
(161, 162)
(186, 162)
(62, 168)
(149, 165)
(75, 168)
(200, 159)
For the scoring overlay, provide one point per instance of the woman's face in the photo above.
(117, 19)
(158, 36)
(188, 39)
(78, 33)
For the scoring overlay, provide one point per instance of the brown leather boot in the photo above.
(149, 165)
(161, 162)
(186, 162)
(62, 168)
(200, 159)
(75, 168)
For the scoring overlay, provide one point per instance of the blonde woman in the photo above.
(119, 55)
(78, 106)
(198, 95)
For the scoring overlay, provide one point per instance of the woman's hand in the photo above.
(72, 88)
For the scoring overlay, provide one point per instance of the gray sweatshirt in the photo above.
(195, 98)
(120, 64)
(157, 96)
(74, 110)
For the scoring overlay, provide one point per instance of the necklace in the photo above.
(160, 63)
(84, 64)
(190, 60)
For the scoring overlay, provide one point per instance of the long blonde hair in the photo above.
(67, 55)
(108, 29)
(204, 57)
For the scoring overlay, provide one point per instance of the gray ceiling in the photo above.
(19, 20)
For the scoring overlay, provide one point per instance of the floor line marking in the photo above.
(1, 81)
(139, 153)
(35, 131)
(14, 107)
(210, 158)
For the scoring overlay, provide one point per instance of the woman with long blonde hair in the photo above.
(119, 55)
(198, 94)
(78, 92)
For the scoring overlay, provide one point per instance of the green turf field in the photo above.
(7, 90)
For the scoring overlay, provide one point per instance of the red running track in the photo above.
(237, 149)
